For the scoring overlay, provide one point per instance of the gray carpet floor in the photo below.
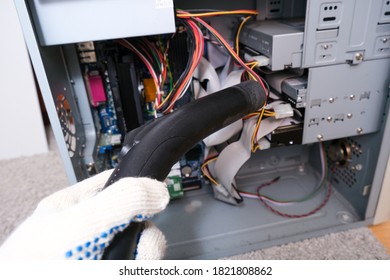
(25, 181)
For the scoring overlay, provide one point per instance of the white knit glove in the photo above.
(79, 222)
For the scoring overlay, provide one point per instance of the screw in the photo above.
(329, 119)
(331, 100)
(359, 130)
(384, 40)
(358, 56)
(358, 167)
(320, 137)
(325, 47)
(352, 96)
(349, 115)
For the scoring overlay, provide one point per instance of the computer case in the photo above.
(344, 60)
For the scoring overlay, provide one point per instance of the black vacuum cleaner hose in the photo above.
(152, 149)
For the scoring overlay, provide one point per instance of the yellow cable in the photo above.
(251, 66)
(238, 33)
(206, 173)
(209, 14)
(255, 145)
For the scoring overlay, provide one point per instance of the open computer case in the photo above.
(323, 140)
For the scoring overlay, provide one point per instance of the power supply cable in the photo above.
(237, 44)
(196, 49)
(222, 41)
(248, 69)
(205, 170)
(183, 14)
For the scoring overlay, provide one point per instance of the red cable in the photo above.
(294, 215)
(197, 55)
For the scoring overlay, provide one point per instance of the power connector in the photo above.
(261, 60)
(283, 110)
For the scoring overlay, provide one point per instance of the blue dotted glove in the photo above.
(80, 221)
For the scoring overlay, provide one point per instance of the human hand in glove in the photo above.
(80, 221)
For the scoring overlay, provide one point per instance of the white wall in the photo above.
(383, 208)
(22, 131)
